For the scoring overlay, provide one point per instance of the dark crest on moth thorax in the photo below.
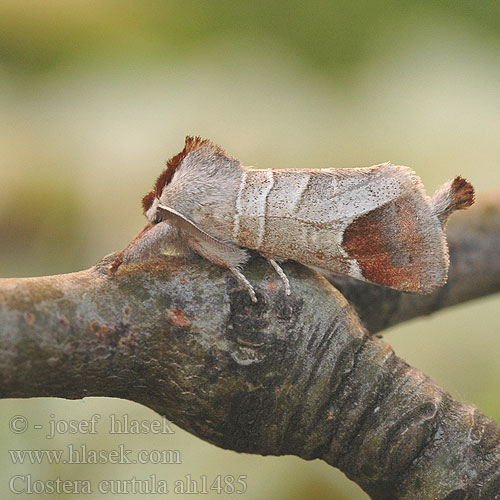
(191, 144)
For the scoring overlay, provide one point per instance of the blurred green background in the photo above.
(96, 95)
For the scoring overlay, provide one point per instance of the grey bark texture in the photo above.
(297, 374)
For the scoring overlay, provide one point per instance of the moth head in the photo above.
(151, 200)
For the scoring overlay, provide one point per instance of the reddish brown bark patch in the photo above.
(178, 318)
(29, 317)
(64, 321)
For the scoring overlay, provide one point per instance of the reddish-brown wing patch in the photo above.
(387, 244)
(191, 144)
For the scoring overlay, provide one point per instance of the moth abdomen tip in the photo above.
(457, 194)
(463, 193)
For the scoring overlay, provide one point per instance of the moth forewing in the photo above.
(374, 224)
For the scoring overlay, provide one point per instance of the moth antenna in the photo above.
(457, 194)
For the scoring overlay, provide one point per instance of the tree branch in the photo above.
(289, 375)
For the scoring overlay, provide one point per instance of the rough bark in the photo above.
(289, 375)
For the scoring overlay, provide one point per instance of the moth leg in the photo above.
(149, 241)
(281, 274)
(223, 255)
(219, 252)
(241, 278)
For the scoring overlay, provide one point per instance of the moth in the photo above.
(375, 224)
